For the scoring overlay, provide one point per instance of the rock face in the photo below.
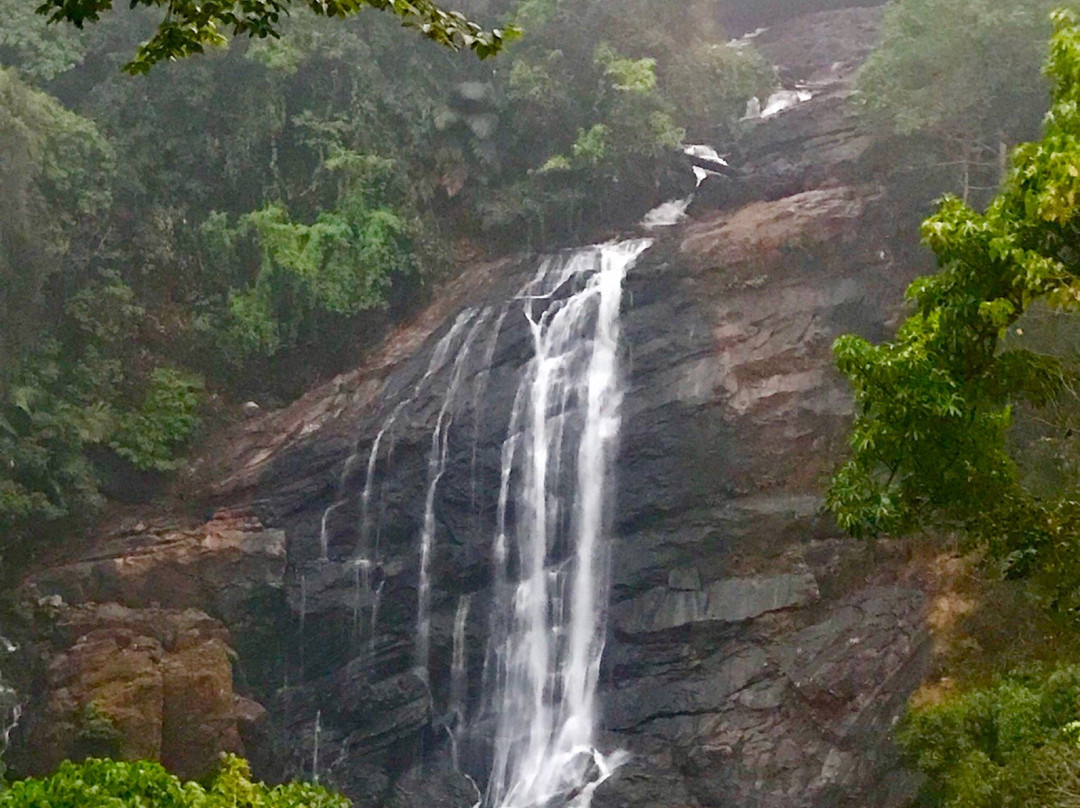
(754, 656)
(136, 684)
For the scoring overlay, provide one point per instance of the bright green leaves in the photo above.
(591, 145)
(918, 441)
(934, 406)
(116, 784)
(627, 75)
(342, 263)
(192, 26)
(1012, 743)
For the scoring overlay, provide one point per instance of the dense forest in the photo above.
(225, 230)
(257, 216)
(238, 225)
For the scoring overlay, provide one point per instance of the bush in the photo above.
(1015, 742)
(116, 784)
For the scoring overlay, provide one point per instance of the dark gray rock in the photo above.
(731, 600)
(439, 788)
(754, 657)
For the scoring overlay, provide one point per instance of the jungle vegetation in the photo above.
(964, 421)
(242, 222)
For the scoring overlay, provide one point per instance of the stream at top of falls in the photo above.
(550, 549)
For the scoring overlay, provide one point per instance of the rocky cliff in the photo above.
(755, 657)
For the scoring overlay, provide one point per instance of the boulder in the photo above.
(150, 684)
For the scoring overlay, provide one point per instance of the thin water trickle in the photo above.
(458, 669)
(10, 706)
(315, 751)
(361, 587)
(303, 619)
(440, 445)
(435, 364)
(375, 600)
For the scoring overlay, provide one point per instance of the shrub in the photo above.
(115, 784)
(1015, 742)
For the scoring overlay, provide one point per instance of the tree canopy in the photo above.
(934, 405)
(241, 225)
(190, 26)
(965, 73)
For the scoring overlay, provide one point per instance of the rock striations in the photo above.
(754, 656)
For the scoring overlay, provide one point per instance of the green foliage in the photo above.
(56, 176)
(1015, 742)
(951, 66)
(933, 407)
(342, 264)
(191, 26)
(710, 84)
(39, 50)
(966, 72)
(597, 98)
(627, 75)
(258, 217)
(115, 784)
(151, 435)
(84, 390)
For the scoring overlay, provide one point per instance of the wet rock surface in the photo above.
(754, 657)
(135, 684)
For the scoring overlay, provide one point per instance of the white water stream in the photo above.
(548, 650)
(550, 555)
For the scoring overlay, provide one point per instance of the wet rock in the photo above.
(446, 788)
(137, 684)
(728, 601)
(220, 567)
(643, 784)
(754, 657)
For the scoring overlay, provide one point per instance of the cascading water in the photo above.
(547, 652)
(438, 359)
(550, 555)
(674, 211)
(10, 706)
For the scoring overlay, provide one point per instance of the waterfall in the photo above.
(457, 708)
(375, 600)
(440, 444)
(550, 554)
(435, 364)
(10, 706)
(548, 647)
(670, 213)
(315, 751)
(361, 587)
(303, 619)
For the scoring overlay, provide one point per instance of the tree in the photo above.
(933, 407)
(190, 26)
(1013, 742)
(965, 72)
